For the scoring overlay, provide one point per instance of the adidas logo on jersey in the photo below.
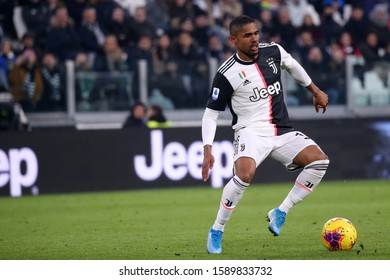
(246, 82)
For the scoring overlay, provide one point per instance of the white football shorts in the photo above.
(282, 148)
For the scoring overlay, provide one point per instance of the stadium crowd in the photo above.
(177, 38)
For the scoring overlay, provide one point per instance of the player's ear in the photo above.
(233, 40)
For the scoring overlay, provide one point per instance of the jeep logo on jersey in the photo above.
(263, 93)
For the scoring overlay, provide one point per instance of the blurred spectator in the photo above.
(379, 18)
(156, 118)
(298, 9)
(268, 29)
(142, 51)
(53, 75)
(215, 49)
(157, 12)
(187, 53)
(231, 7)
(347, 46)
(52, 6)
(357, 25)
(75, 9)
(341, 10)
(200, 84)
(316, 31)
(179, 10)
(26, 82)
(171, 83)
(330, 29)
(90, 32)
(104, 9)
(131, 5)
(201, 32)
(137, 116)
(114, 84)
(36, 16)
(284, 29)
(162, 53)
(113, 58)
(369, 5)
(222, 29)
(316, 65)
(119, 25)
(62, 38)
(371, 50)
(83, 62)
(140, 25)
(86, 89)
(7, 61)
(336, 85)
(27, 43)
(304, 42)
(186, 25)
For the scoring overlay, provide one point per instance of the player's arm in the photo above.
(320, 98)
(209, 127)
(218, 98)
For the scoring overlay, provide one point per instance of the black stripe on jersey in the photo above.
(227, 65)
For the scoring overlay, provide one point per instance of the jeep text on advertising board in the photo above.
(175, 161)
(18, 169)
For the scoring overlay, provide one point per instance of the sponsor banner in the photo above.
(66, 160)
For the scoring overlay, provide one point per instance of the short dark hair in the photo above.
(238, 22)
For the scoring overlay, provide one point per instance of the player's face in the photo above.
(246, 41)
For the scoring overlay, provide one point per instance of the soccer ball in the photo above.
(339, 234)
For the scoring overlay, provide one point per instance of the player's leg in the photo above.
(245, 163)
(234, 190)
(232, 193)
(314, 162)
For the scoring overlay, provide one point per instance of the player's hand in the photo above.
(208, 163)
(320, 101)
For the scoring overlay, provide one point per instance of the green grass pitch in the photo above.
(172, 224)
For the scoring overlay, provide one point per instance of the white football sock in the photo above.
(231, 195)
(306, 182)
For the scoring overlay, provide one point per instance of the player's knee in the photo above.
(245, 176)
(323, 156)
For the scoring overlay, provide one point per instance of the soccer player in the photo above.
(249, 83)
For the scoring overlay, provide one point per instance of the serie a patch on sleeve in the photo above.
(215, 93)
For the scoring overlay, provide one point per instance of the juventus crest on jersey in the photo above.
(253, 90)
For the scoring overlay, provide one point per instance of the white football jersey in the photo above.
(253, 90)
